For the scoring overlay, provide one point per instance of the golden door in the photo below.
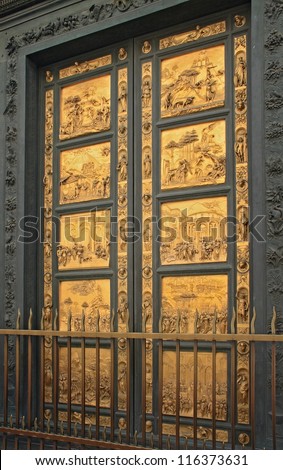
(145, 176)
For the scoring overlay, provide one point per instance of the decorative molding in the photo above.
(273, 10)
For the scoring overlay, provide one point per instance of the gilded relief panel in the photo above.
(83, 67)
(193, 155)
(85, 299)
(85, 173)
(194, 231)
(90, 376)
(85, 107)
(84, 240)
(203, 433)
(193, 35)
(204, 385)
(192, 82)
(195, 302)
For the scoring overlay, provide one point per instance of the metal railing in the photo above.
(25, 424)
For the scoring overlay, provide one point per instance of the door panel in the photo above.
(145, 158)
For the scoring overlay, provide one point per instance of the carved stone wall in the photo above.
(273, 77)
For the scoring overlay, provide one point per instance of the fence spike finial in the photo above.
(178, 322)
(42, 319)
(196, 322)
(18, 322)
(69, 326)
(83, 321)
(223, 445)
(273, 322)
(89, 432)
(253, 322)
(11, 421)
(97, 320)
(136, 438)
(120, 436)
(151, 440)
(186, 442)
(214, 320)
(160, 321)
(23, 422)
(76, 429)
(128, 321)
(204, 444)
(168, 443)
(30, 319)
(233, 322)
(55, 321)
(112, 321)
(48, 424)
(104, 434)
(61, 427)
(35, 424)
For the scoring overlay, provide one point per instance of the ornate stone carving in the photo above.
(275, 256)
(273, 10)
(273, 71)
(274, 130)
(239, 21)
(274, 40)
(274, 100)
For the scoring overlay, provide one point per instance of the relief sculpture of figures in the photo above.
(193, 155)
(85, 173)
(194, 301)
(85, 107)
(84, 240)
(194, 231)
(193, 82)
(204, 385)
(90, 298)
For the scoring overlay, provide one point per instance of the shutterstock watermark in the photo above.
(98, 226)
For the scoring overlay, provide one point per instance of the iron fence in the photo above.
(31, 420)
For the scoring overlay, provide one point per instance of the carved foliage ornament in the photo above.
(94, 14)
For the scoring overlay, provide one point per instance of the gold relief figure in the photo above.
(240, 78)
(187, 298)
(85, 107)
(193, 82)
(83, 67)
(85, 173)
(204, 384)
(88, 297)
(194, 231)
(90, 376)
(123, 96)
(193, 155)
(189, 36)
(146, 91)
(84, 240)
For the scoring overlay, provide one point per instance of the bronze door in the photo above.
(145, 174)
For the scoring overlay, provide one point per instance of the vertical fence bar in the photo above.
(55, 377)
(42, 379)
(97, 378)
(214, 385)
(29, 374)
(178, 377)
(195, 352)
(5, 388)
(128, 412)
(160, 391)
(83, 377)
(112, 378)
(252, 394)
(233, 393)
(273, 380)
(69, 378)
(17, 383)
(143, 390)
(233, 382)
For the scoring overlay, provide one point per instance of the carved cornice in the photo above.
(11, 6)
